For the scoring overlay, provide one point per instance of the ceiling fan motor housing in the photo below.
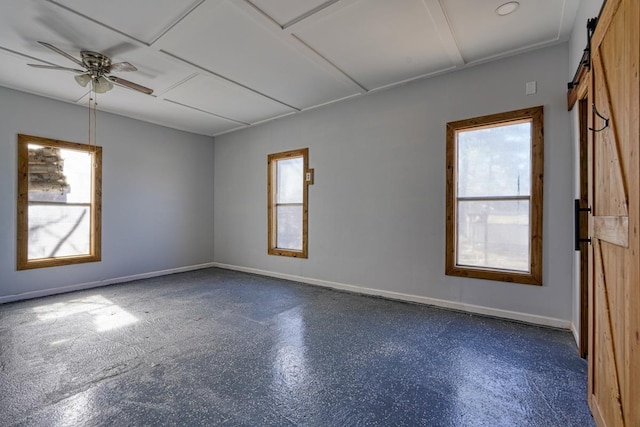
(96, 62)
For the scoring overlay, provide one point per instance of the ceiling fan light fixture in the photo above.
(507, 8)
(83, 79)
(102, 85)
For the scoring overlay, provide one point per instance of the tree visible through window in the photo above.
(494, 197)
(58, 202)
(287, 207)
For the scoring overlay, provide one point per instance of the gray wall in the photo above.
(377, 209)
(157, 194)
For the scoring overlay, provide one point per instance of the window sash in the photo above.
(495, 243)
(281, 228)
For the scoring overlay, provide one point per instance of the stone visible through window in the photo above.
(59, 202)
(494, 197)
(287, 206)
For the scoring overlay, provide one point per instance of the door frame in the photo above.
(583, 230)
(579, 95)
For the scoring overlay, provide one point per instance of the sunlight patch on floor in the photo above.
(106, 314)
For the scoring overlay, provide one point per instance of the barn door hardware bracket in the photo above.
(576, 224)
(585, 59)
(606, 121)
(591, 27)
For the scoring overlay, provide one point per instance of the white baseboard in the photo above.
(99, 283)
(576, 335)
(470, 308)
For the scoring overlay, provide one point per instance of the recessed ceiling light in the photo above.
(507, 8)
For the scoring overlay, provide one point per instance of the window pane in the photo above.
(56, 231)
(495, 161)
(59, 175)
(289, 180)
(289, 227)
(493, 234)
(78, 167)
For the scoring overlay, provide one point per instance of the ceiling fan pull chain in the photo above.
(89, 132)
(95, 122)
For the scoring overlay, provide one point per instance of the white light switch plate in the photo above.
(531, 88)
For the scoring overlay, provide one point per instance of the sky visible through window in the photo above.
(495, 161)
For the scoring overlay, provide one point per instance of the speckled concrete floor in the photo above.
(215, 347)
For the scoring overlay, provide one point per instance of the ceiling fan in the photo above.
(97, 69)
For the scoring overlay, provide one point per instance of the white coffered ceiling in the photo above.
(220, 65)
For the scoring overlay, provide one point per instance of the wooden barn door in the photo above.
(614, 189)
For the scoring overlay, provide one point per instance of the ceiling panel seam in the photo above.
(311, 19)
(333, 101)
(176, 22)
(175, 85)
(25, 56)
(206, 112)
(35, 93)
(229, 80)
(163, 123)
(308, 14)
(95, 21)
(410, 79)
(545, 43)
(325, 59)
(565, 24)
(256, 123)
(142, 42)
(564, 6)
(288, 39)
(88, 92)
(263, 13)
(297, 20)
(272, 118)
(443, 27)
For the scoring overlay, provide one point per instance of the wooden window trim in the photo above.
(534, 276)
(271, 205)
(95, 255)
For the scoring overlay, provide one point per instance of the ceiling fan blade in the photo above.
(122, 66)
(55, 67)
(62, 52)
(130, 85)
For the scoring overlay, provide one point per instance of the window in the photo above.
(494, 197)
(59, 202)
(287, 207)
